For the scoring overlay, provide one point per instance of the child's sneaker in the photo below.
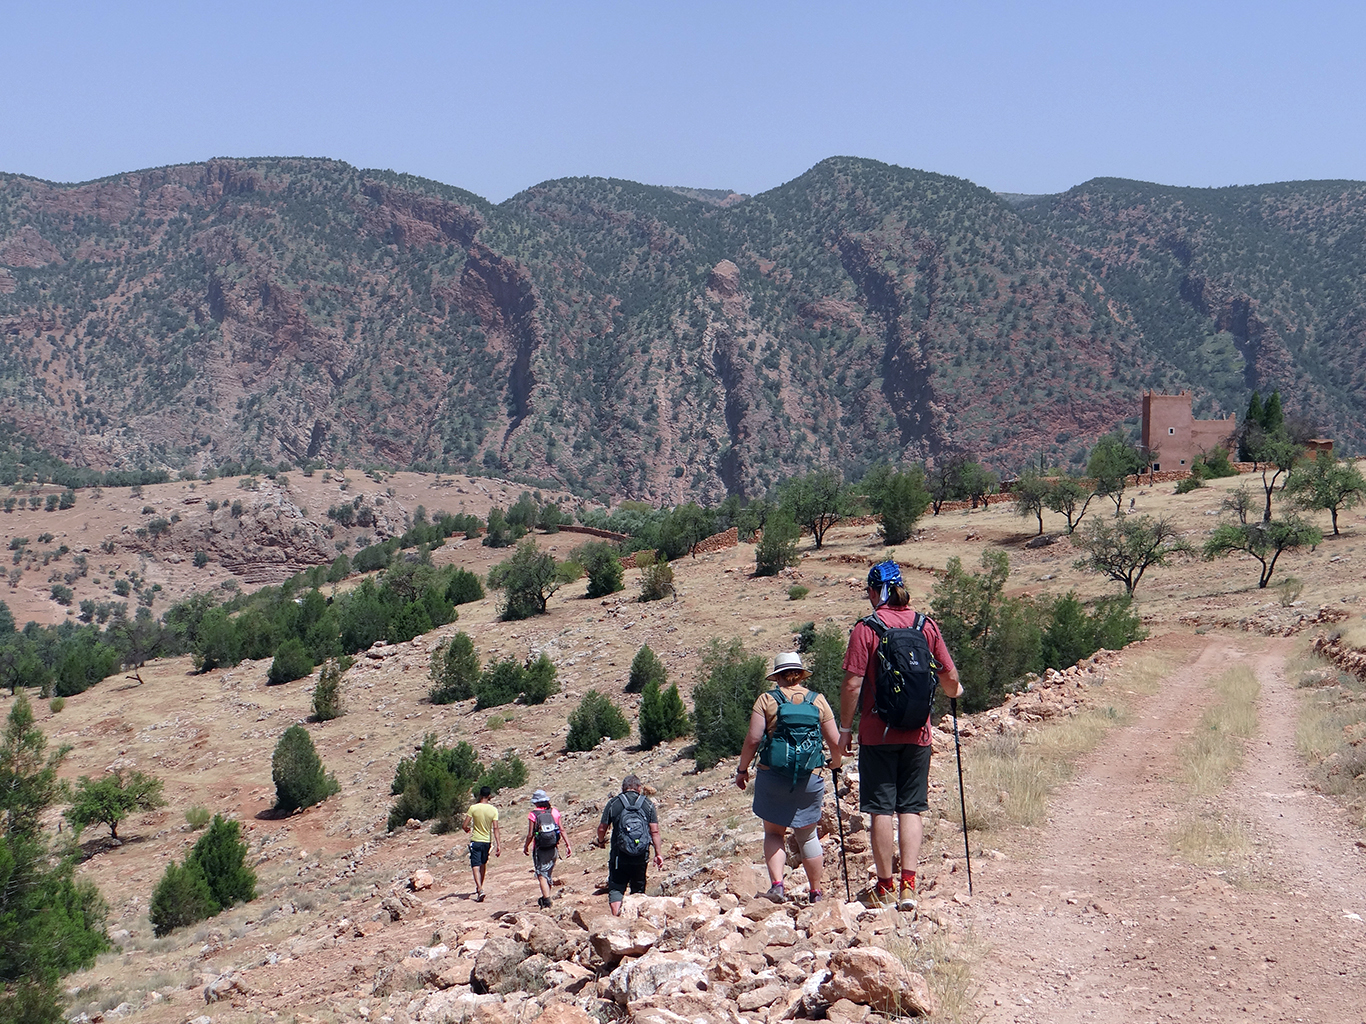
(775, 893)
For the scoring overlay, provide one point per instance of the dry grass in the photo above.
(947, 965)
(1009, 780)
(1331, 731)
(1215, 750)
(1211, 840)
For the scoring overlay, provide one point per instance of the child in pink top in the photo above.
(543, 838)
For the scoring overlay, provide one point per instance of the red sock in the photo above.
(885, 884)
(908, 877)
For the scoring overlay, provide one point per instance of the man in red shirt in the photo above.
(893, 764)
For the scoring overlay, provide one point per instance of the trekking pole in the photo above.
(962, 801)
(844, 863)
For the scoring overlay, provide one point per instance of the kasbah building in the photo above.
(1174, 437)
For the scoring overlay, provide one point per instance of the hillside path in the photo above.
(1105, 923)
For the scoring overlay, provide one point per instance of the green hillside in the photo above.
(666, 343)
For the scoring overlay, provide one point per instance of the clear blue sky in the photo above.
(496, 96)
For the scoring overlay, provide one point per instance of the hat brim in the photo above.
(806, 672)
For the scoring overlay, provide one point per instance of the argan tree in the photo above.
(1127, 547)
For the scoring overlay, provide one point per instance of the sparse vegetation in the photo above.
(454, 670)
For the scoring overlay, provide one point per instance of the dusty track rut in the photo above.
(1104, 923)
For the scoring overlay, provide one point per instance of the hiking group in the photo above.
(895, 661)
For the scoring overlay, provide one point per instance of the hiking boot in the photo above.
(906, 900)
(479, 896)
(814, 896)
(543, 902)
(775, 893)
(876, 897)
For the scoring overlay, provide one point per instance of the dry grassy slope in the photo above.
(210, 737)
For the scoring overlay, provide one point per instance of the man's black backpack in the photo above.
(632, 834)
(907, 673)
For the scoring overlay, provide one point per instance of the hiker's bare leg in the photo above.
(883, 846)
(478, 878)
(775, 851)
(545, 885)
(813, 860)
(911, 830)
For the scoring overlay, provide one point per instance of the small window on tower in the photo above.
(1171, 430)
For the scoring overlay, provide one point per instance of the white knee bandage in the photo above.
(807, 842)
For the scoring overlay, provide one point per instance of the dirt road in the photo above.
(1105, 923)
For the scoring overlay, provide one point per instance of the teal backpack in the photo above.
(793, 749)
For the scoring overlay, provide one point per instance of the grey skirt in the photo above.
(776, 802)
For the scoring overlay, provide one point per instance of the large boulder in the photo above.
(613, 938)
(495, 967)
(693, 1008)
(655, 974)
(874, 977)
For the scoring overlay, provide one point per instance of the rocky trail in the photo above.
(1106, 923)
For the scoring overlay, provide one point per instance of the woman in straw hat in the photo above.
(789, 796)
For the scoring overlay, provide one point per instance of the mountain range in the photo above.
(669, 344)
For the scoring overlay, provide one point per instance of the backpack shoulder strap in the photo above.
(640, 799)
(875, 623)
(920, 619)
(777, 694)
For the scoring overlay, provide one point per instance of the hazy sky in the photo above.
(497, 96)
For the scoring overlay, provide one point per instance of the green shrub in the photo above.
(777, 548)
(644, 667)
(539, 681)
(1190, 483)
(662, 716)
(297, 772)
(327, 695)
(292, 661)
(464, 587)
(201, 558)
(1215, 464)
(593, 720)
(500, 683)
(796, 592)
(657, 581)
(730, 679)
(434, 784)
(508, 772)
(56, 704)
(181, 897)
(197, 817)
(824, 658)
(603, 566)
(62, 595)
(994, 639)
(221, 857)
(454, 670)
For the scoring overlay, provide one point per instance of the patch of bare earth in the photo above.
(1104, 922)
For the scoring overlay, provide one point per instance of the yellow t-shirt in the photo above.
(482, 816)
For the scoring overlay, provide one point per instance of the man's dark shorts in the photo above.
(479, 854)
(624, 872)
(894, 778)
